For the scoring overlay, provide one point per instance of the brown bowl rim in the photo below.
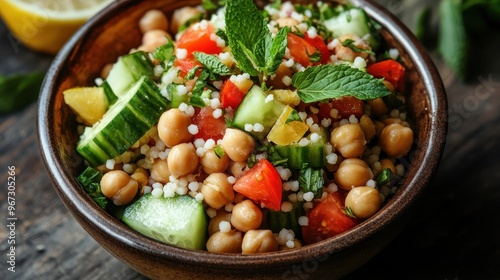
(80, 202)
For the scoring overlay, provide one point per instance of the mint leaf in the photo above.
(323, 82)
(212, 63)
(245, 25)
(275, 53)
(19, 90)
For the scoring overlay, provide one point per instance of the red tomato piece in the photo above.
(300, 49)
(390, 70)
(185, 65)
(208, 126)
(195, 39)
(346, 106)
(262, 184)
(327, 219)
(320, 45)
(231, 95)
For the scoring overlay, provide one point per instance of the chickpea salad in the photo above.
(235, 129)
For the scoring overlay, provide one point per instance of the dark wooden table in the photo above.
(457, 235)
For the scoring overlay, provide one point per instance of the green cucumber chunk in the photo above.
(125, 122)
(127, 70)
(312, 154)
(354, 21)
(287, 220)
(179, 220)
(254, 109)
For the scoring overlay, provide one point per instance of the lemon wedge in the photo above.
(46, 25)
(283, 132)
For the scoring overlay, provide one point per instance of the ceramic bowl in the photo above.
(114, 32)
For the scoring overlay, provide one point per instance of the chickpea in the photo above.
(237, 168)
(237, 144)
(182, 159)
(153, 39)
(259, 241)
(389, 86)
(246, 216)
(349, 140)
(225, 242)
(296, 244)
(389, 121)
(159, 171)
(180, 16)
(213, 224)
(173, 127)
(387, 163)
(363, 201)
(368, 127)
(352, 172)
(396, 140)
(217, 191)
(141, 176)
(105, 70)
(378, 106)
(153, 19)
(290, 22)
(379, 126)
(345, 53)
(119, 187)
(211, 163)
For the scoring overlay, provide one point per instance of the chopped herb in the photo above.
(350, 44)
(90, 180)
(348, 212)
(165, 52)
(384, 177)
(311, 180)
(219, 151)
(294, 116)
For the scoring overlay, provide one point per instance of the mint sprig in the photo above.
(255, 50)
(323, 82)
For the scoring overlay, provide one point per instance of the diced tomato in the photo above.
(320, 45)
(208, 126)
(390, 70)
(262, 184)
(300, 49)
(327, 219)
(231, 95)
(346, 106)
(185, 65)
(195, 39)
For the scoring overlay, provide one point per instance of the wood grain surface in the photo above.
(457, 235)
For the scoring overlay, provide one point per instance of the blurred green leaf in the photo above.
(19, 90)
(453, 41)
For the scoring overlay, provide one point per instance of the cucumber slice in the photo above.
(312, 154)
(127, 70)
(254, 109)
(124, 123)
(354, 21)
(180, 220)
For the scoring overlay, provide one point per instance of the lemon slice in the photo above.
(46, 25)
